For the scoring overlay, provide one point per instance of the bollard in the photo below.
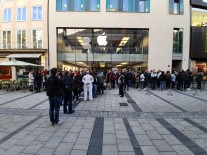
(148, 93)
(203, 84)
(196, 91)
(170, 90)
(183, 86)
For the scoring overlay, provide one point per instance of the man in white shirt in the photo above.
(87, 80)
(31, 80)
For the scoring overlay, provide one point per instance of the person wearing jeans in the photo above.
(55, 103)
(55, 96)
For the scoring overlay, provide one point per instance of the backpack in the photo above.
(51, 87)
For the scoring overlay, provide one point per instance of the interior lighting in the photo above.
(118, 65)
(124, 41)
(102, 64)
(80, 40)
(124, 63)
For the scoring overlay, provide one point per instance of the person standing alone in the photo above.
(54, 88)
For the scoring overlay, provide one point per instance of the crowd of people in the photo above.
(69, 86)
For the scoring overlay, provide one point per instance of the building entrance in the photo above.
(102, 48)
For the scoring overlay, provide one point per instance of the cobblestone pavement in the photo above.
(143, 122)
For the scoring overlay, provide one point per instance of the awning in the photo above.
(24, 55)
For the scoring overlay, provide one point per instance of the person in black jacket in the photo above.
(38, 81)
(121, 84)
(55, 96)
(68, 82)
(77, 86)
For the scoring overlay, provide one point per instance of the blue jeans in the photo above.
(55, 103)
(94, 90)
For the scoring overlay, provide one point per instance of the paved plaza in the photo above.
(143, 122)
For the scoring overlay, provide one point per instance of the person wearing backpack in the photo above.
(68, 82)
(54, 89)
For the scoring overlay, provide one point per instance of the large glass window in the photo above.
(21, 39)
(6, 39)
(37, 38)
(78, 5)
(110, 47)
(37, 13)
(21, 14)
(128, 5)
(176, 7)
(7, 15)
(178, 40)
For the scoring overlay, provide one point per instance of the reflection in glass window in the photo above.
(111, 5)
(176, 7)
(7, 15)
(37, 38)
(37, 13)
(128, 5)
(178, 41)
(79, 5)
(21, 39)
(6, 39)
(94, 5)
(21, 14)
(109, 47)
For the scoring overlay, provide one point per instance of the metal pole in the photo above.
(196, 89)
(170, 90)
(148, 93)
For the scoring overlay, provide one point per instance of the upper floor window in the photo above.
(6, 39)
(78, 5)
(37, 13)
(176, 7)
(37, 38)
(21, 14)
(7, 15)
(177, 40)
(128, 5)
(21, 39)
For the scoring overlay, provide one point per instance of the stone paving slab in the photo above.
(104, 127)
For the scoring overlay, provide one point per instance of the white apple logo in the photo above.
(101, 39)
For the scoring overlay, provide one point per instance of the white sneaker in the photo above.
(188, 89)
(59, 123)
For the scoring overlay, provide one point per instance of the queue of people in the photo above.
(69, 87)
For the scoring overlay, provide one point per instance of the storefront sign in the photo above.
(42, 60)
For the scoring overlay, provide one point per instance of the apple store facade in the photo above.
(107, 48)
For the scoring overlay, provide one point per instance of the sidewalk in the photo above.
(140, 123)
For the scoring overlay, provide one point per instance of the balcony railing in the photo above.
(27, 45)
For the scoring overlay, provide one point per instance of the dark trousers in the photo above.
(55, 103)
(75, 95)
(100, 89)
(121, 89)
(67, 105)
